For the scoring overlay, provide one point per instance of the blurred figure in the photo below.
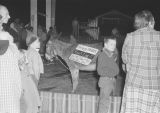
(42, 38)
(15, 30)
(75, 27)
(4, 16)
(52, 33)
(29, 31)
(49, 33)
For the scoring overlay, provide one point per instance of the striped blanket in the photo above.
(74, 103)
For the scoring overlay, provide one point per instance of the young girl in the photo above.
(30, 75)
(35, 64)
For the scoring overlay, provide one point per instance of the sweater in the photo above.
(106, 65)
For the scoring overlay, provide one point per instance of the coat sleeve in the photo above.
(125, 49)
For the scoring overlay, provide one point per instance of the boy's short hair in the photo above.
(109, 38)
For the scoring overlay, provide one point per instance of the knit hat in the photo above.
(3, 46)
(31, 40)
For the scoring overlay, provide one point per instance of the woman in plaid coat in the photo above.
(141, 54)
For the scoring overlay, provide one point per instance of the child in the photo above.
(35, 62)
(31, 74)
(107, 68)
(30, 92)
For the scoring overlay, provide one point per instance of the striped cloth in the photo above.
(138, 100)
(141, 54)
(74, 103)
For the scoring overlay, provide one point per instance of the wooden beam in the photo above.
(48, 13)
(33, 14)
(53, 12)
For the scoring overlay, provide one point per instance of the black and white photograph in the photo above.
(79, 56)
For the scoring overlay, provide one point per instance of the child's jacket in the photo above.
(107, 66)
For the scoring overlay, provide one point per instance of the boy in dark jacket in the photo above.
(107, 68)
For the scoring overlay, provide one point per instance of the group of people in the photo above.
(141, 57)
(20, 71)
(141, 63)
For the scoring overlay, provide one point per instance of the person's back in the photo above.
(143, 63)
(30, 91)
(141, 55)
(75, 27)
(10, 81)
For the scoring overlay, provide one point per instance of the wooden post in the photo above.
(48, 13)
(53, 8)
(33, 14)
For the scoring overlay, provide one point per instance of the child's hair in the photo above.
(106, 39)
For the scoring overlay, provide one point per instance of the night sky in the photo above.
(83, 9)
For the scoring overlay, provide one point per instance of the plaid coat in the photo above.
(141, 54)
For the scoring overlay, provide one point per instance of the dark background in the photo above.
(66, 10)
